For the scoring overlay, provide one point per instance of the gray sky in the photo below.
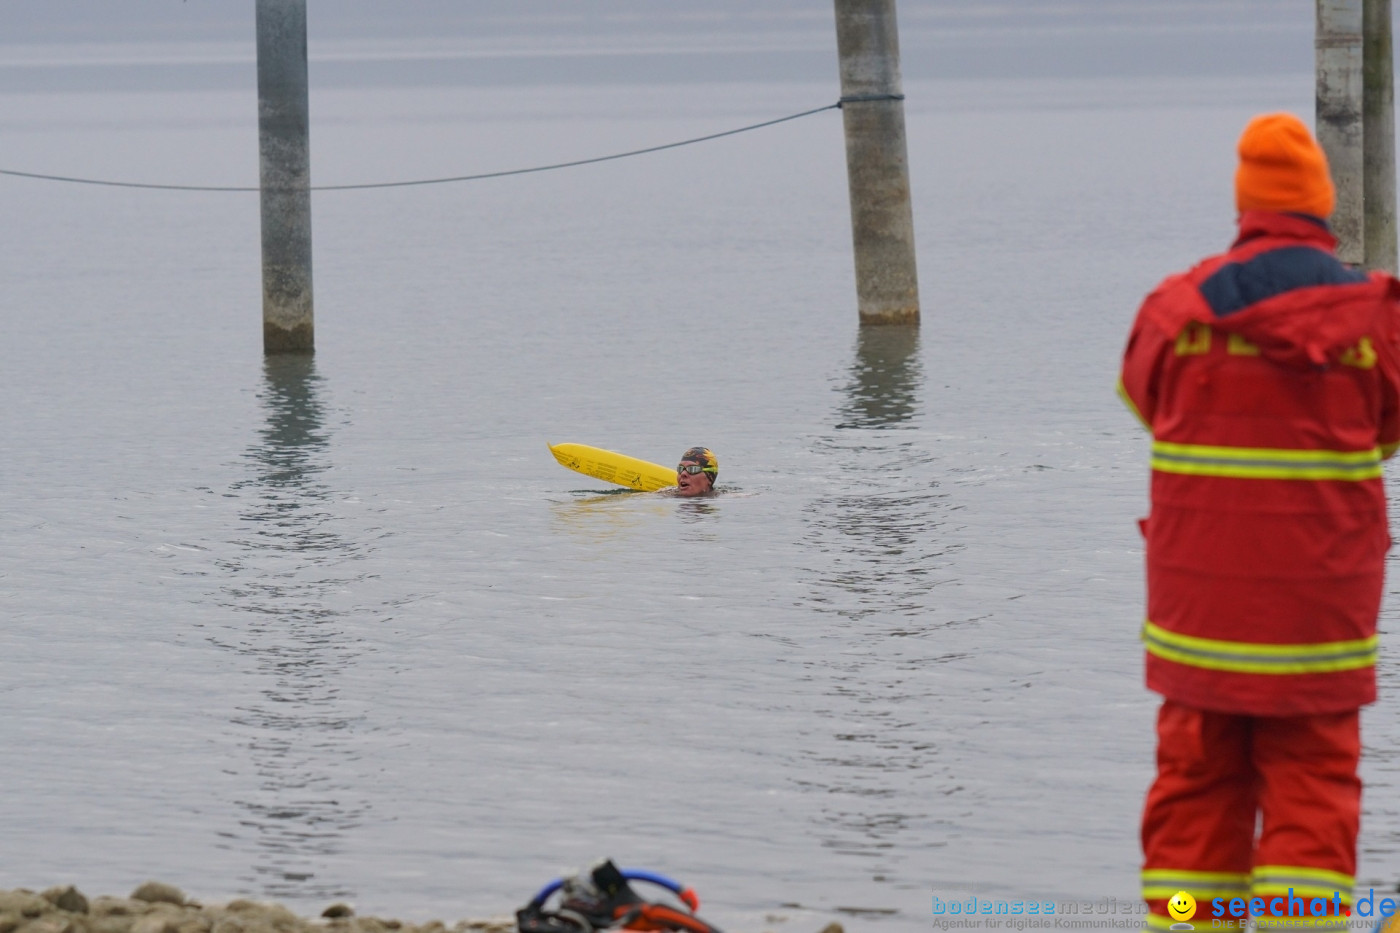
(49, 44)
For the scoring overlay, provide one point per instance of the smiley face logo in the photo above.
(1182, 906)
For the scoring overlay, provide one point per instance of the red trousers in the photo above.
(1217, 775)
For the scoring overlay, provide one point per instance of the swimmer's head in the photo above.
(697, 472)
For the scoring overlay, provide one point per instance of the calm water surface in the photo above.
(342, 629)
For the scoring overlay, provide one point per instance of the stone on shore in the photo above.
(155, 907)
(67, 898)
(155, 892)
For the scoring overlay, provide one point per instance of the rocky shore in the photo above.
(162, 908)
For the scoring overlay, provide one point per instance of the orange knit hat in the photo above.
(1282, 168)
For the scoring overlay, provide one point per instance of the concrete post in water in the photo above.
(1378, 107)
(877, 162)
(285, 156)
(1339, 113)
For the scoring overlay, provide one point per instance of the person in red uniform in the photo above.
(1269, 377)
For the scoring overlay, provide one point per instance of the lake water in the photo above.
(343, 630)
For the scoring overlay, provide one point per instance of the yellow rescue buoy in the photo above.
(613, 467)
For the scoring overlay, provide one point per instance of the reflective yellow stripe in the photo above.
(1306, 891)
(1162, 883)
(1275, 880)
(1265, 462)
(1299, 872)
(1251, 658)
(1281, 881)
(1132, 406)
(1388, 450)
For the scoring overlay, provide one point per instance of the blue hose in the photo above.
(631, 874)
(637, 874)
(546, 891)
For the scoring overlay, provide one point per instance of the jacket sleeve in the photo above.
(1138, 382)
(1388, 437)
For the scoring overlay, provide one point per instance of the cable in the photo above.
(455, 178)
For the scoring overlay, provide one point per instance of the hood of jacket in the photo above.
(1282, 288)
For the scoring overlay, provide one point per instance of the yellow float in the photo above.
(611, 467)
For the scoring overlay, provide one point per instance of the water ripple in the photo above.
(285, 573)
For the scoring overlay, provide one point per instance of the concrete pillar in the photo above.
(877, 162)
(1378, 107)
(285, 154)
(1339, 114)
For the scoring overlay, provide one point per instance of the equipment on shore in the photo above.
(600, 897)
(613, 467)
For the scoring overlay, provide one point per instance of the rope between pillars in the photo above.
(454, 178)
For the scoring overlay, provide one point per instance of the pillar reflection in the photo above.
(876, 553)
(885, 379)
(876, 532)
(289, 571)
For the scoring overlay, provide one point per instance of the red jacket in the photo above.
(1270, 379)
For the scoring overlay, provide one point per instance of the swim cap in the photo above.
(705, 458)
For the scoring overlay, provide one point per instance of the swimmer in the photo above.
(697, 473)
